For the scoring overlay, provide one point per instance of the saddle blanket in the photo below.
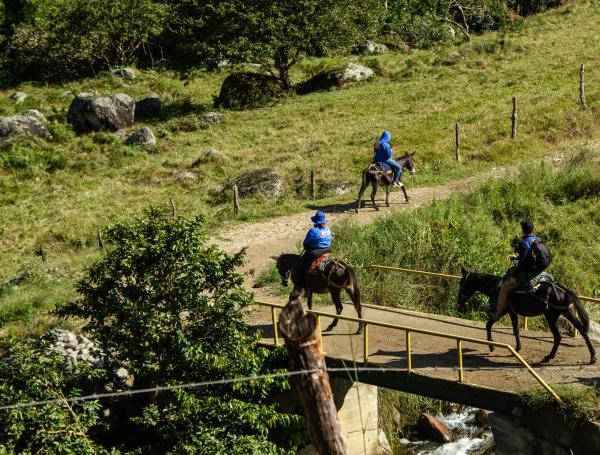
(319, 264)
(384, 166)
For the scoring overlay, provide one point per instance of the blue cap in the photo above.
(319, 218)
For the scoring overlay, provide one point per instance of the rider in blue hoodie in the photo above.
(383, 154)
(316, 243)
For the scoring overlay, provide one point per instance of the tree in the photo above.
(172, 309)
(274, 34)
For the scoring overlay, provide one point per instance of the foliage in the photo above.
(273, 34)
(172, 309)
(62, 39)
(30, 373)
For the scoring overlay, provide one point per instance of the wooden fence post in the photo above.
(313, 186)
(236, 203)
(173, 208)
(100, 241)
(457, 141)
(513, 129)
(302, 341)
(582, 87)
(44, 256)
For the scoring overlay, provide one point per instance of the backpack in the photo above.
(540, 257)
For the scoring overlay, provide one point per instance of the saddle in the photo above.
(382, 167)
(534, 284)
(319, 265)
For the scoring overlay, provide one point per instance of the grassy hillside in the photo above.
(57, 194)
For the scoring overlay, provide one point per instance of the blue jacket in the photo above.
(317, 237)
(382, 148)
(523, 250)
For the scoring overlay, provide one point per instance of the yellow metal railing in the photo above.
(408, 331)
(458, 277)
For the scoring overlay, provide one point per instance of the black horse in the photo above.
(337, 276)
(552, 299)
(375, 176)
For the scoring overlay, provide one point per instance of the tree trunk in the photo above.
(282, 63)
(302, 341)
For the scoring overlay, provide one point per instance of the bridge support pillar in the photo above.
(357, 407)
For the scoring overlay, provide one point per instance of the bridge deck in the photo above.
(436, 358)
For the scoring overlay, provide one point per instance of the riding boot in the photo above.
(508, 286)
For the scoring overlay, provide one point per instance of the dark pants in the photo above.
(306, 259)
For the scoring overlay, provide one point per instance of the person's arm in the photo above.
(308, 240)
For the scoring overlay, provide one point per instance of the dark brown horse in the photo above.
(336, 277)
(552, 299)
(375, 176)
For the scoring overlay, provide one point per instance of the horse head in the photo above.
(409, 163)
(283, 269)
(465, 289)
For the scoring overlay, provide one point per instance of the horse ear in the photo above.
(276, 257)
(463, 271)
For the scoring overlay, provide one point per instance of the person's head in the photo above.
(527, 226)
(385, 137)
(319, 218)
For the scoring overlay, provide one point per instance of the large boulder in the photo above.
(339, 77)
(212, 118)
(263, 181)
(247, 90)
(124, 73)
(90, 112)
(149, 106)
(339, 187)
(434, 429)
(371, 48)
(207, 156)
(143, 137)
(35, 114)
(23, 124)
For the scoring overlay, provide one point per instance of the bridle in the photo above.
(461, 295)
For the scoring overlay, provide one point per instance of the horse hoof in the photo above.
(546, 359)
(377, 208)
(328, 329)
(593, 360)
(518, 348)
(492, 348)
(358, 332)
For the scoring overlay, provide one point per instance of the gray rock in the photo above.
(371, 48)
(212, 117)
(123, 134)
(90, 112)
(455, 56)
(18, 97)
(352, 73)
(434, 429)
(143, 137)
(208, 155)
(260, 181)
(149, 106)
(340, 187)
(35, 114)
(186, 176)
(22, 124)
(124, 73)
(381, 49)
(248, 90)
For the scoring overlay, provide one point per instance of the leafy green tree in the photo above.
(28, 372)
(172, 309)
(275, 34)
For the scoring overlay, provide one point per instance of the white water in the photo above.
(469, 438)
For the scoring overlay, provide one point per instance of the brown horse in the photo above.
(375, 176)
(336, 277)
(552, 299)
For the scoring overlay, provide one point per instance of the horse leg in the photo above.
(406, 198)
(387, 195)
(514, 318)
(363, 187)
(488, 328)
(337, 301)
(354, 294)
(309, 294)
(571, 317)
(552, 318)
(373, 193)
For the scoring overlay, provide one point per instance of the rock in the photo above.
(455, 56)
(149, 106)
(143, 137)
(381, 49)
(260, 181)
(35, 114)
(18, 97)
(383, 445)
(482, 418)
(341, 187)
(22, 124)
(371, 48)
(212, 117)
(339, 77)
(594, 332)
(186, 176)
(123, 134)
(433, 429)
(248, 90)
(67, 93)
(124, 73)
(90, 112)
(207, 156)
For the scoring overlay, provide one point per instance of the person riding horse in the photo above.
(383, 154)
(519, 274)
(316, 243)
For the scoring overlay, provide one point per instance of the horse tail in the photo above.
(355, 286)
(583, 316)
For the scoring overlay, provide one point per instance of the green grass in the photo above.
(57, 194)
(475, 230)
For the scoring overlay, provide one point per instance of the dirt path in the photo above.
(285, 234)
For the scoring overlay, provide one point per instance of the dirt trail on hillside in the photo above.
(285, 234)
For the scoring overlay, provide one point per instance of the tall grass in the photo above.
(475, 230)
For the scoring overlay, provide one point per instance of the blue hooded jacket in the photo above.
(317, 237)
(524, 248)
(382, 148)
